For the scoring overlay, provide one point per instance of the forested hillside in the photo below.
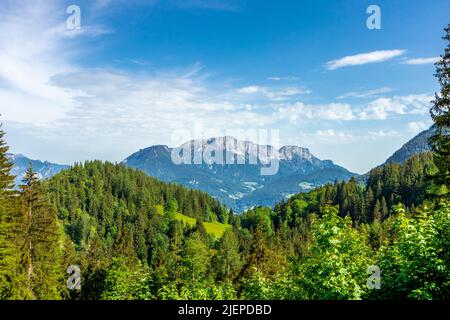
(112, 192)
(387, 186)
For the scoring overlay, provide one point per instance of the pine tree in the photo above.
(384, 208)
(377, 211)
(288, 214)
(11, 280)
(370, 196)
(176, 248)
(440, 112)
(94, 268)
(262, 258)
(200, 228)
(124, 245)
(40, 249)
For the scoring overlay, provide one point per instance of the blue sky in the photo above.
(137, 71)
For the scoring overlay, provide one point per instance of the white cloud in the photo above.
(250, 89)
(381, 134)
(365, 94)
(331, 136)
(299, 112)
(378, 109)
(335, 135)
(274, 94)
(418, 61)
(122, 112)
(288, 78)
(34, 49)
(364, 58)
(89, 31)
(382, 108)
(416, 127)
(97, 110)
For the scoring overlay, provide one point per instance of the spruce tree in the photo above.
(125, 246)
(377, 211)
(11, 280)
(440, 112)
(40, 249)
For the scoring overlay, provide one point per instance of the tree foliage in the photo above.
(440, 112)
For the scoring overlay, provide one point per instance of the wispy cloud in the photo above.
(32, 52)
(215, 5)
(222, 5)
(366, 94)
(333, 136)
(44, 91)
(380, 134)
(274, 94)
(364, 58)
(287, 78)
(89, 31)
(418, 61)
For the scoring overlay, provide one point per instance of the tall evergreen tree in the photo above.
(440, 112)
(38, 232)
(377, 211)
(125, 246)
(11, 280)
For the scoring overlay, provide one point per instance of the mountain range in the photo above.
(237, 186)
(44, 169)
(240, 186)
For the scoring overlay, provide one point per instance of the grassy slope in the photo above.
(215, 228)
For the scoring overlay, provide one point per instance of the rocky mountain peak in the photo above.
(291, 152)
